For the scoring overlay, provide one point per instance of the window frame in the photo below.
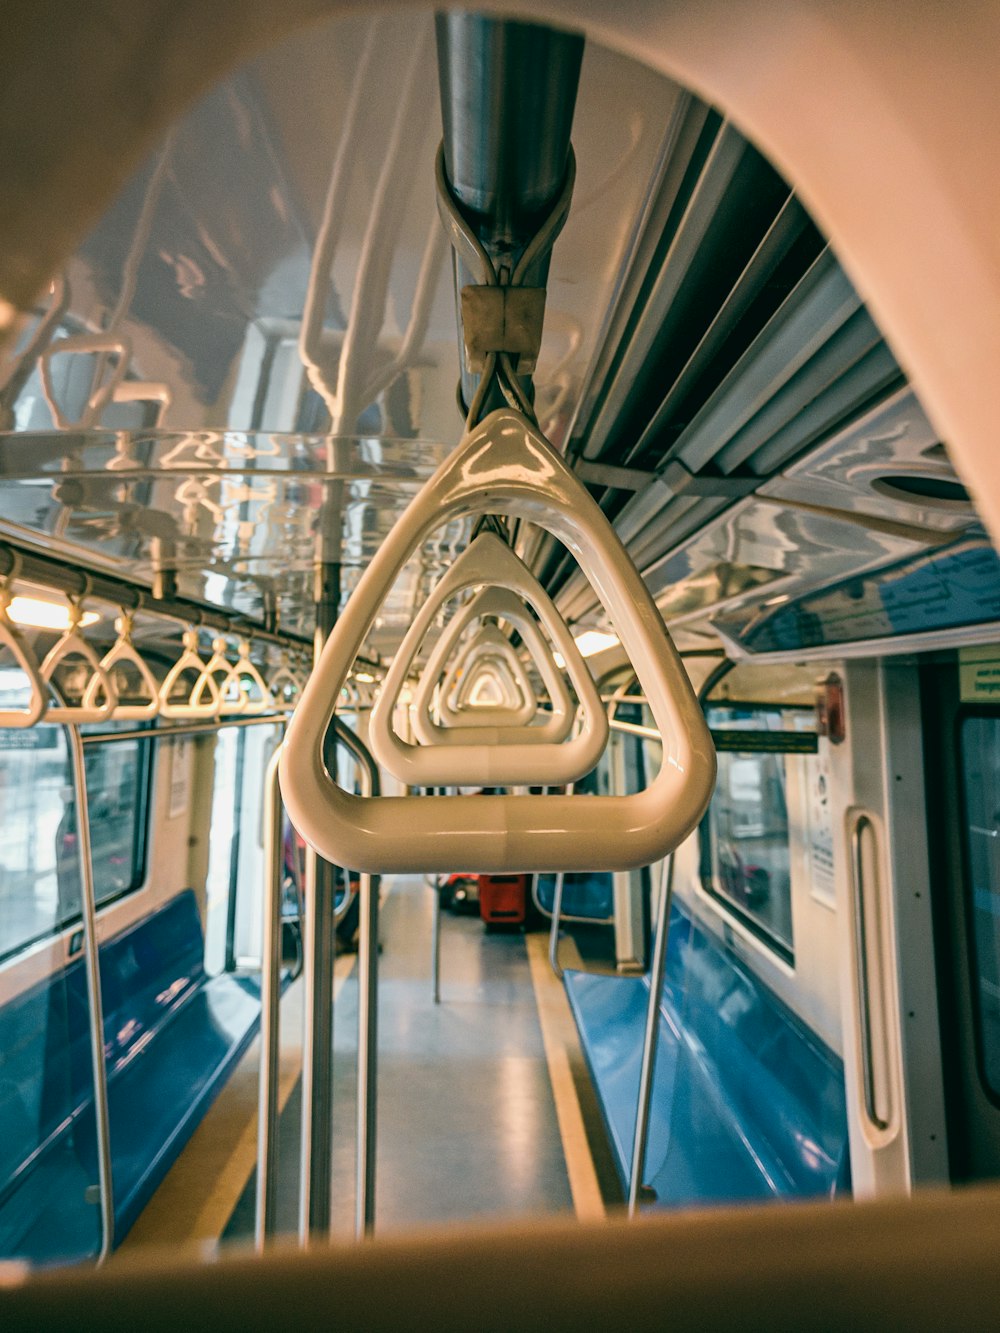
(141, 814)
(707, 839)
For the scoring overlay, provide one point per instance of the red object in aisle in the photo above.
(503, 899)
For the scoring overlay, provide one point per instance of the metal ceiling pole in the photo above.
(319, 949)
(508, 92)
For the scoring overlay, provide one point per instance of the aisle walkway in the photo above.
(467, 1123)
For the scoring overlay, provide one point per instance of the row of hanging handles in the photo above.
(194, 688)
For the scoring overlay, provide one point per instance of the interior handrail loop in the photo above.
(72, 644)
(505, 466)
(491, 762)
(20, 649)
(123, 651)
(203, 699)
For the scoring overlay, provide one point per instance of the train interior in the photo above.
(375, 867)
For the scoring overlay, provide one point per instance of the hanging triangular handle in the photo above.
(71, 645)
(504, 466)
(485, 690)
(505, 603)
(113, 373)
(222, 672)
(490, 642)
(17, 645)
(488, 689)
(256, 699)
(190, 662)
(284, 687)
(123, 652)
(493, 760)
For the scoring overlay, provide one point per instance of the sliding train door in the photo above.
(962, 721)
(892, 1048)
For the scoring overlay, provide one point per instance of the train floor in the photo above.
(484, 1105)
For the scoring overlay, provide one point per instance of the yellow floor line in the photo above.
(562, 1051)
(202, 1188)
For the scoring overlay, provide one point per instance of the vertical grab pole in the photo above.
(368, 893)
(648, 1068)
(318, 937)
(315, 1166)
(436, 924)
(270, 995)
(436, 940)
(92, 969)
(557, 897)
(658, 970)
(368, 889)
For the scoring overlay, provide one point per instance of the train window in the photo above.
(745, 849)
(236, 856)
(979, 742)
(39, 872)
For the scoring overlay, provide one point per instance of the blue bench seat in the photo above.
(172, 1036)
(747, 1102)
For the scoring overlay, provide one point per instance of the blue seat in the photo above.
(589, 895)
(172, 1035)
(747, 1102)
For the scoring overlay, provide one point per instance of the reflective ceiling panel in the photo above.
(277, 272)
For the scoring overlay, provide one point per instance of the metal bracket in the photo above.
(502, 319)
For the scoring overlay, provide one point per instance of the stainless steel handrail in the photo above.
(657, 973)
(270, 997)
(367, 1114)
(557, 897)
(316, 1071)
(183, 729)
(92, 969)
(436, 941)
(864, 825)
(649, 1045)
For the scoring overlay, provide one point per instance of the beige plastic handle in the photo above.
(258, 699)
(203, 699)
(491, 758)
(221, 671)
(492, 645)
(123, 650)
(485, 687)
(74, 645)
(506, 604)
(17, 645)
(285, 686)
(504, 466)
(86, 343)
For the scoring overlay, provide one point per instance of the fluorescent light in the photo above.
(363, 678)
(37, 613)
(559, 660)
(593, 641)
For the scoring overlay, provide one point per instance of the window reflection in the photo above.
(980, 760)
(39, 867)
(746, 858)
